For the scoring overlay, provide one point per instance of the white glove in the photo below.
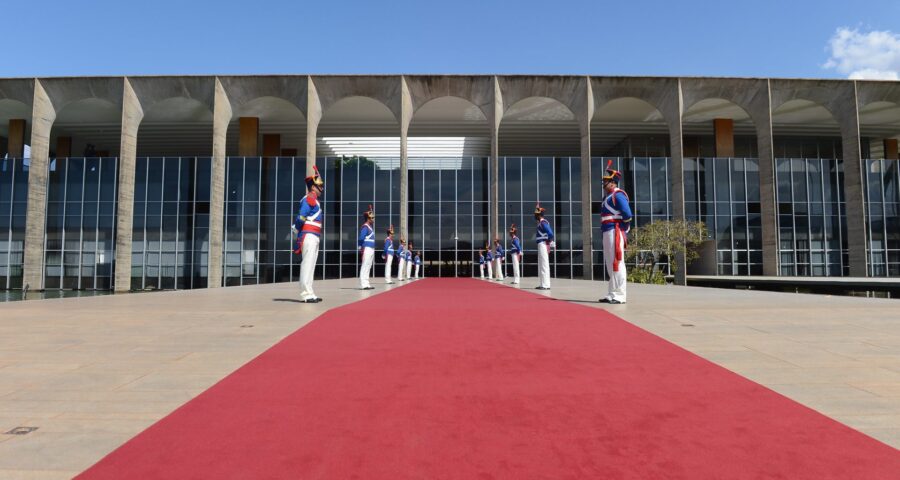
(294, 229)
(553, 244)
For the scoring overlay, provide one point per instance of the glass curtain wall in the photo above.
(555, 182)
(448, 212)
(170, 241)
(13, 205)
(723, 193)
(882, 184)
(81, 219)
(811, 222)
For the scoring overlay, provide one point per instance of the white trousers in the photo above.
(515, 260)
(417, 272)
(387, 268)
(481, 266)
(310, 254)
(616, 279)
(409, 265)
(401, 268)
(498, 268)
(365, 269)
(490, 269)
(543, 249)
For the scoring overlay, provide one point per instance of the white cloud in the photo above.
(871, 55)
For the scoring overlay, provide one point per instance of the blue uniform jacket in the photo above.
(388, 247)
(516, 246)
(366, 236)
(615, 210)
(544, 232)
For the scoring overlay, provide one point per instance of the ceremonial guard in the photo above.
(499, 253)
(515, 252)
(481, 263)
(366, 243)
(308, 226)
(388, 255)
(544, 238)
(489, 261)
(615, 217)
(401, 260)
(418, 262)
(409, 261)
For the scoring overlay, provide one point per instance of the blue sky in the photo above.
(629, 37)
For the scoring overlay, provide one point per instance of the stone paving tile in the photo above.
(37, 474)
(90, 382)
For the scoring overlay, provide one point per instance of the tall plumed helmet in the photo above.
(315, 179)
(612, 175)
(390, 230)
(512, 228)
(370, 213)
(538, 209)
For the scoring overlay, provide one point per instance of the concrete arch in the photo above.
(456, 117)
(477, 90)
(246, 90)
(620, 117)
(175, 126)
(325, 92)
(88, 121)
(551, 117)
(276, 115)
(571, 92)
(662, 93)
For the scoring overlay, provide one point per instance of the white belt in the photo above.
(313, 223)
(610, 217)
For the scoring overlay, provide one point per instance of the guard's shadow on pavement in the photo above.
(569, 300)
(292, 300)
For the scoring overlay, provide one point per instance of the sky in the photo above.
(755, 38)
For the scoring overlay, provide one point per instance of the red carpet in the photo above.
(459, 378)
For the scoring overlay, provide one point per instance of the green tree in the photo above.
(649, 244)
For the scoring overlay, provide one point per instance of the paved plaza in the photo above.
(90, 373)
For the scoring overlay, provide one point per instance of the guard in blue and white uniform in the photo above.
(481, 263)
(615, 218)
(545, 242)
(499, 253)
(366, 243)
(401, 260)
(489, 261)
(308, 226)
(409, 261)
(515, 251)
(388, 255)
(418, 263)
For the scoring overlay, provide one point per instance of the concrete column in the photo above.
(132, 114)
(249, 137)
(586, 231)
(313, 117)
(221, 118)
(890, 149)
(42, 118)
(271, 145)
(16, 140)
(724, 128)
(676, 173)
(853, 188)
(406, 113)
(768, 207)
(494, 163)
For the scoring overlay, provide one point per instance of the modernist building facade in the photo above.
(188, 182)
